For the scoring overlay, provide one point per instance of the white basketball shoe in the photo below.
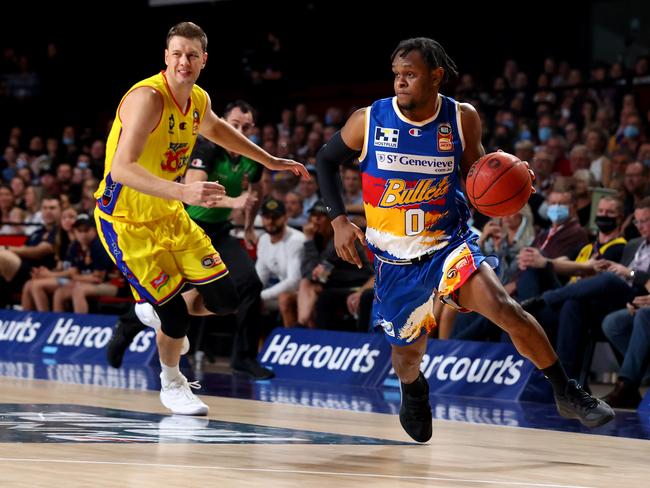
(178, 397)
(148, 316)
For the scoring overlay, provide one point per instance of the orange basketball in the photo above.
(498, 184)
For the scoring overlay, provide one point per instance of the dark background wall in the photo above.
(107, 46)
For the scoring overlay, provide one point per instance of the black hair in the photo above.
(245, 107)
(432, 52)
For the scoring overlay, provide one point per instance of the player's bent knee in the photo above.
(220, 297)
(174, 318)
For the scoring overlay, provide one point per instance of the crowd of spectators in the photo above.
(585, 133)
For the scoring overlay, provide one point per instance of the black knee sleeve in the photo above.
(174, 317)
(220, 297)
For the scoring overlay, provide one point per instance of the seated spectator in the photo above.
(89, 265)
(44, 280)
(16, 262)
(294, 207)
(628, 330)
(579, 308)
(322, 270)
(352, 195)
(7, 205)
(564, 235)
(279, 255)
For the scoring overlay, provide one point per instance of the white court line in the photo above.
(295, 471)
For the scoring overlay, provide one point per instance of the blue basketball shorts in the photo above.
(405, 293)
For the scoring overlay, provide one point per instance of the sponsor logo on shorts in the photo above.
(210, 261)
(160, 281)
(388, 327)
(386, 137)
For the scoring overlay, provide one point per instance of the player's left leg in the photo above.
(415, 410)
(483, 293)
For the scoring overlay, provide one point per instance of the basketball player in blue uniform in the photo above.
(414, 149)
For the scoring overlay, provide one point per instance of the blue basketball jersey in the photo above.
(412, 180)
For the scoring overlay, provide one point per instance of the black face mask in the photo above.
(606, 224)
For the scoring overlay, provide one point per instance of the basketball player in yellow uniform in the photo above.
(140, 215)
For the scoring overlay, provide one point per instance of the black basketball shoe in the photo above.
(415, 413)
(576, 403)
(123, 335)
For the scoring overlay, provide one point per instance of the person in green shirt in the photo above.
(240, 176)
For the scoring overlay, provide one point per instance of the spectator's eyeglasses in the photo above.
(639, 222)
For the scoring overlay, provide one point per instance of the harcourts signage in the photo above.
(67, 336)
(480, 369)
(319, 355)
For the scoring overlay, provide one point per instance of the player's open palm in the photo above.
(345, 235)
(203, 193)
(279, 164)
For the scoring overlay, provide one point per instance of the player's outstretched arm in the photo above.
(140, 114)
(221, 133)
(344, 146)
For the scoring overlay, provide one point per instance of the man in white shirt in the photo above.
(279, 253)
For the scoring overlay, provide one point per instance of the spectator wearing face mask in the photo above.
(564, 235)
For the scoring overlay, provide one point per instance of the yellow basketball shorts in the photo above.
(159, 257)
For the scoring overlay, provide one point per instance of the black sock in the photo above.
(556, 375)
(417, 388)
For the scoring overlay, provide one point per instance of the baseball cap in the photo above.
(318, 207)
(83, 219)
(273, 207)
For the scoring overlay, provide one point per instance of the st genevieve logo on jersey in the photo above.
(175, 157)
(160, 281)
(210, 261)
(415, 132)
(397, 193)
(445, 138)
(386, 137)
(196, 121)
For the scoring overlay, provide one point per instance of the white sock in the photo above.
(169, 373)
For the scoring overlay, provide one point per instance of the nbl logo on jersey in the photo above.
(386, 137)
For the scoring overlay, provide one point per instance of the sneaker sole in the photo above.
(567, 414)
(197, 411)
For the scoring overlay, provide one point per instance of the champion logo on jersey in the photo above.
(386, 137)
(415, 132)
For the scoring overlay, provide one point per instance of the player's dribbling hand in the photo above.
(279, 164)
(345, 233)
(532, 176)
(203, 193)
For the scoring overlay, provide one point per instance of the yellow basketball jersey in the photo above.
(166, 154)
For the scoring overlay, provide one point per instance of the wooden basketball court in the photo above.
(460, 454)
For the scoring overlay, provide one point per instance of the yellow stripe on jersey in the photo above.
(166, 155)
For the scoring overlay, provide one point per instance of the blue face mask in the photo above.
(630, 131)
(525, 135)
(254, 138)
(544, 133)
(68, 140)
(510, 124)
(558, 213)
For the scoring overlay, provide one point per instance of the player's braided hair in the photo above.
(432, 53)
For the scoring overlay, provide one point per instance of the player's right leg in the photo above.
(176, 392)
